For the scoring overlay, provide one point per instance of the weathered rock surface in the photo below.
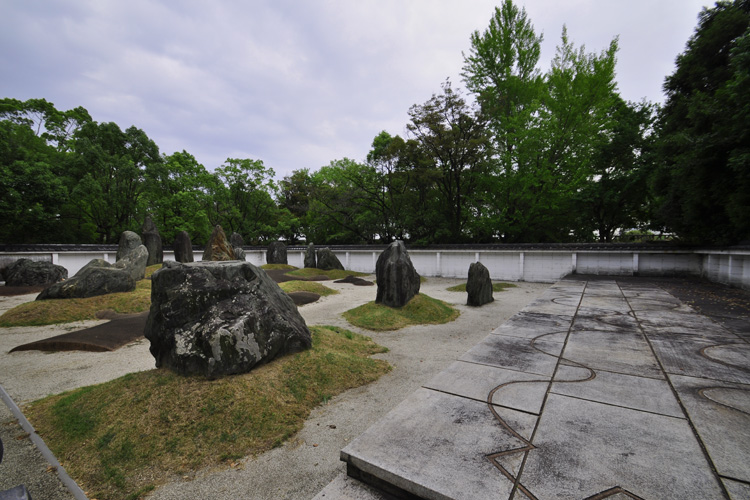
(310, 260)
(26, 272)
(152, 242)
(479, 285)
(218, 247)
(134, 262)
(5, 263)
(235, 239)
(129, 241)
(220, 318)
(276, 253)
(397, 279)
(183, 247)
(327, 260)
(89, 282)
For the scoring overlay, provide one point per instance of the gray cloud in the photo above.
(296, 84)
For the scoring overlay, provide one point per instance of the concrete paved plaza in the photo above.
(599, 389)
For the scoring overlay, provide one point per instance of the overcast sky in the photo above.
(296, 84)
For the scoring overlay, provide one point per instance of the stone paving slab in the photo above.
(627, 394)
(536, 356)
(445, 459)
(713, 407)
(475, 381)
(583, 448)
(617, 389)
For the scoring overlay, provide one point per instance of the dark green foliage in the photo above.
(703, 176)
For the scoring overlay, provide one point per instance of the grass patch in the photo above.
(121, 438)
(333, 274)
(420, 310)
(496, 287)
(277, 267)
(307, 286)
(48, 312)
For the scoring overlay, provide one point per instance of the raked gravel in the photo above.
(300, 468)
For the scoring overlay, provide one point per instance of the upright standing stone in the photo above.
(327, 260)
(276, 253)
(129, 241)
(237, 243)
(478, 285)
(132, 255)
(220, 318)
(218, 248)
(398, 281)
(152, 242)
(310, 260)
(183, 247)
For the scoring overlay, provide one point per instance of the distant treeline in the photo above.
(527, 156)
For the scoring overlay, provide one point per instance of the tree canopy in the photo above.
(521, 154)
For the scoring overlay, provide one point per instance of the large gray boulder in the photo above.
(276, 253)
(152, 242)
(327, 260)
(183, 248)
(218, 247)
(397, 279)
(220, 318)
(134, 262)
(129, 241)
(478, 285)
(89, 282)
(26, 272)
(310, 260)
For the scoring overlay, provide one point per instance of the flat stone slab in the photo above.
(515, 390)
(445, 459)
(713, 407)
(583, 448)
(599, 389)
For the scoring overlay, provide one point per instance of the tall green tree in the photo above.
(452, 138)
(615, 197)
(243, 200)
(703, 180)
(108, 168)
(545, 128)
(177, 196)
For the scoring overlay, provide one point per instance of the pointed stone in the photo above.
(218, 247)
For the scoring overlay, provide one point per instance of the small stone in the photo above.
(310, 260)
(152, 242)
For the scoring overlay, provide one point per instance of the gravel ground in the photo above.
(303, 466)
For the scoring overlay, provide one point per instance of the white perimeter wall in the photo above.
(730, 267)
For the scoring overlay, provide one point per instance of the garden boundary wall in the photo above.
(536, 263)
